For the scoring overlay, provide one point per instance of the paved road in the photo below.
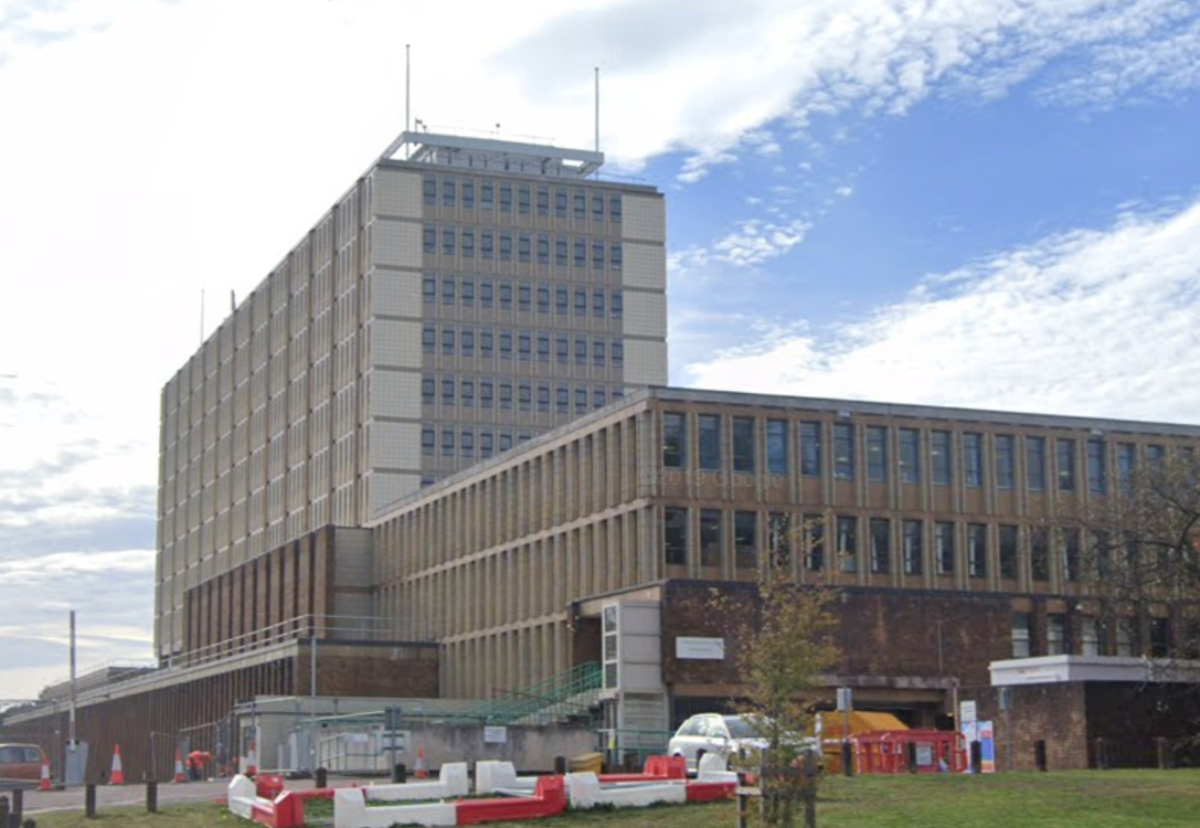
(109, 796)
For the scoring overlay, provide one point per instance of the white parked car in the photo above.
(713, 733)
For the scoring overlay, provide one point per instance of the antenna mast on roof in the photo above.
(597, 118)
(407, 93)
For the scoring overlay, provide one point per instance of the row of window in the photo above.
(916, 453)
(564, 299)
(468, 443)
(487, 244)
(487, 344)
(540, 200)
(884, 543)
(1094, 638)
(491, 393)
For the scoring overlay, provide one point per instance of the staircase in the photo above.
(568, 696)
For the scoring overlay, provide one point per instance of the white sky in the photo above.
(149, 151)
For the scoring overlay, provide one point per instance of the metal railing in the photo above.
(559, 697)
(343, 628)
(368, 628)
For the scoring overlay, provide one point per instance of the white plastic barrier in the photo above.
(242, 796)
(451, 782)
(715, 768)
(492, 775)
(350, 811)
(584, 791)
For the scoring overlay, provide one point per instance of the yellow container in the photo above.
(585, 762)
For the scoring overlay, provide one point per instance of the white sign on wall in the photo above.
(967, 712)
(710, 649)
(495, 735)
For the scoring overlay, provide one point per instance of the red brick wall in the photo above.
(880, 632)
(1056, 713)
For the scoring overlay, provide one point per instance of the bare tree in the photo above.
(1134, 555)
(785, 644)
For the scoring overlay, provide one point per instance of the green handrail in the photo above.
(552, 699)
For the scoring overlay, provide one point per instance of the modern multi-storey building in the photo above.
(455, 302)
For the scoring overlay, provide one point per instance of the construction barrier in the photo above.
(549, 799)
(909, 751)
(452, 781)
(663, 780)
(284, 811)
(493, 776)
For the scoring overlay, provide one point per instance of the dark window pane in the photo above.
(709, 433)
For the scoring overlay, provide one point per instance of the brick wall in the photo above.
(1056, 713)
(396, 671)
(881, 633)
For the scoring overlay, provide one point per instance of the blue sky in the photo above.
(990, 203)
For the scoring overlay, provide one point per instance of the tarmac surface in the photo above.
(169, 793)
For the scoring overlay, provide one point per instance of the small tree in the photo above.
(784, 646)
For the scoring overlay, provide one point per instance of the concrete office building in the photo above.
(929, 520)
(454, 302)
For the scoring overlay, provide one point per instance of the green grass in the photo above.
(168, 816)
(1081, 799)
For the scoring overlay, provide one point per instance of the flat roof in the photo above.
(1061, 669)
(443, 149)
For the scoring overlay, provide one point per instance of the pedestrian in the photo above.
(195, 761)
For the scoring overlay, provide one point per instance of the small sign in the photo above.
(924, 754)
(845, 699)
(706, 649)
(967, 712)
(987, 739)
(397, 742)
(495, 735)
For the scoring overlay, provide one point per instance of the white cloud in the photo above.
(112, 594)
(1089, 322)
(753, 242)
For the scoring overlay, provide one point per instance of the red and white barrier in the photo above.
(664, 780)
(350, 811)
(585, 791)
(284, 811)
(451, 782)
(549, 799)
(492, 775)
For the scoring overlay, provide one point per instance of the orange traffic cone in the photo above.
(45, 783)
(252, 760)
(117, 777)
(420, 772)
(179, 777)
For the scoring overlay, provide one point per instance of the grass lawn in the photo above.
(1079, 799)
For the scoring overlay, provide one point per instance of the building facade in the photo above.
(932, 522)
(455, 302)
